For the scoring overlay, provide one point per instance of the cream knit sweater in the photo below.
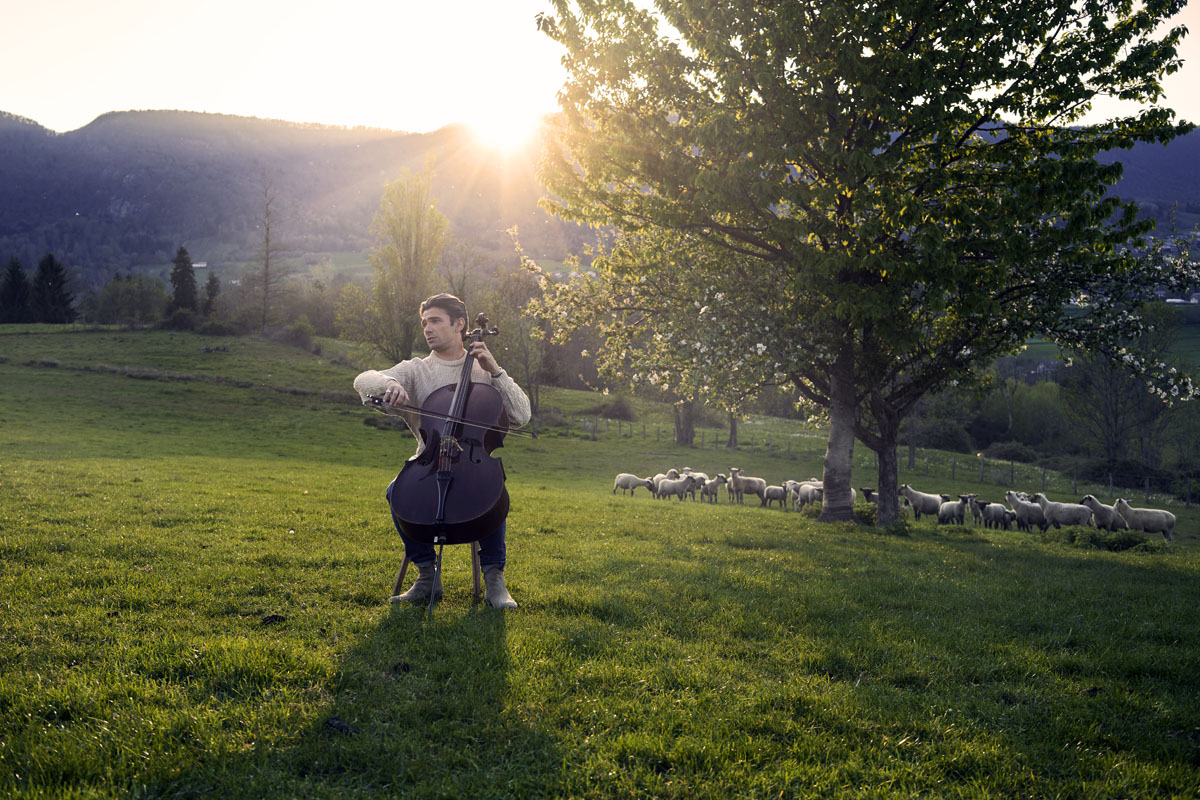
(421, 376)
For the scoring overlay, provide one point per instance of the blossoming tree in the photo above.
(900, 190)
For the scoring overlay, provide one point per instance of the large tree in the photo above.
(51, 298)
(409, 236)
(908, 188)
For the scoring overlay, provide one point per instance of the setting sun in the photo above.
(506, 129)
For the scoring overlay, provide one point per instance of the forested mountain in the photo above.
(130, 187)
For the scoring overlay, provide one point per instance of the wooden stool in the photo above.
(474, 569)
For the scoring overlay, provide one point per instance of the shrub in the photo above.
(182, 319)
(615, 408)
(215, 327)
(1011, 451)
(944, 434)
(866, 513)
(550, 417)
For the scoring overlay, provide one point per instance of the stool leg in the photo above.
(400, 576)
(475, 567)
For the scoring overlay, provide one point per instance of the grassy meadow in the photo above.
(195, 559)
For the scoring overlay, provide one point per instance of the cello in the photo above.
(453, 491)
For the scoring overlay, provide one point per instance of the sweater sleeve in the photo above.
(516, 402)
(374, 382)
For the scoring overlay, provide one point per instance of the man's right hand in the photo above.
(394, 395)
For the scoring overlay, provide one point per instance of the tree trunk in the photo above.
(888, 481)
(733, 443)
(839, 456)
(685, 427)
(912, 440)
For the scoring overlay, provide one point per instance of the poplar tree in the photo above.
(904, 190)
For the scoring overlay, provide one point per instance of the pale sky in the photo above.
(412, 65)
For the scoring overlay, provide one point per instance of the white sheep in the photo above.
(709, 489)
(671, 474)
(1028, 514)
(631, 482)
(995, 515)
(921, 502)
(741, 485)
(775, 494)
(954, 510)
(1059, 514)
(977, 507)
(701, 478)
(1150, 520)
(677, 487)
(807, 492)
(1105, 516)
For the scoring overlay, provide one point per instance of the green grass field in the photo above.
(196, 558)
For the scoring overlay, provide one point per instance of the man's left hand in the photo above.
(484, 357)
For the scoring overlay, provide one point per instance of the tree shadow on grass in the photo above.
(418, 711)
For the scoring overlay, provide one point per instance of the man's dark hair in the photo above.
(454, 307)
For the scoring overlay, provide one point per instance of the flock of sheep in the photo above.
(1040, 512)
(687, 482)
(1025, 511)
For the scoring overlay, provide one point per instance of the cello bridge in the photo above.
(449, 442)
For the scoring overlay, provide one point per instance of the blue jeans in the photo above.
(491, 547)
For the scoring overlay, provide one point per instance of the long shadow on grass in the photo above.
(418, 711)
(939, 660)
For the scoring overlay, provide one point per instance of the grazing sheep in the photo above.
(921, 502)
(671, 474)
(954, 510)
(1028, 514)
(741, 485)
(677, 487)
(1150, 520)
(631, 482)
(995, 515)
(1059, 514)
(775, 494)
(870, 495)
(701, 478)
(1105, 516)
(709, 489)
(977, 507)
(808, 492)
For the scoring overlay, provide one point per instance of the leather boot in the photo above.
(428, 581)
(494, 592)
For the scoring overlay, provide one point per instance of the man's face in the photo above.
(440, 334)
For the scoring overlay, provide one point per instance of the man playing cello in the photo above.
(407, 385)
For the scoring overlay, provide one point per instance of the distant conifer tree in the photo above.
(183, 281)
(15, 300)
(52, 300)
(212, 288)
